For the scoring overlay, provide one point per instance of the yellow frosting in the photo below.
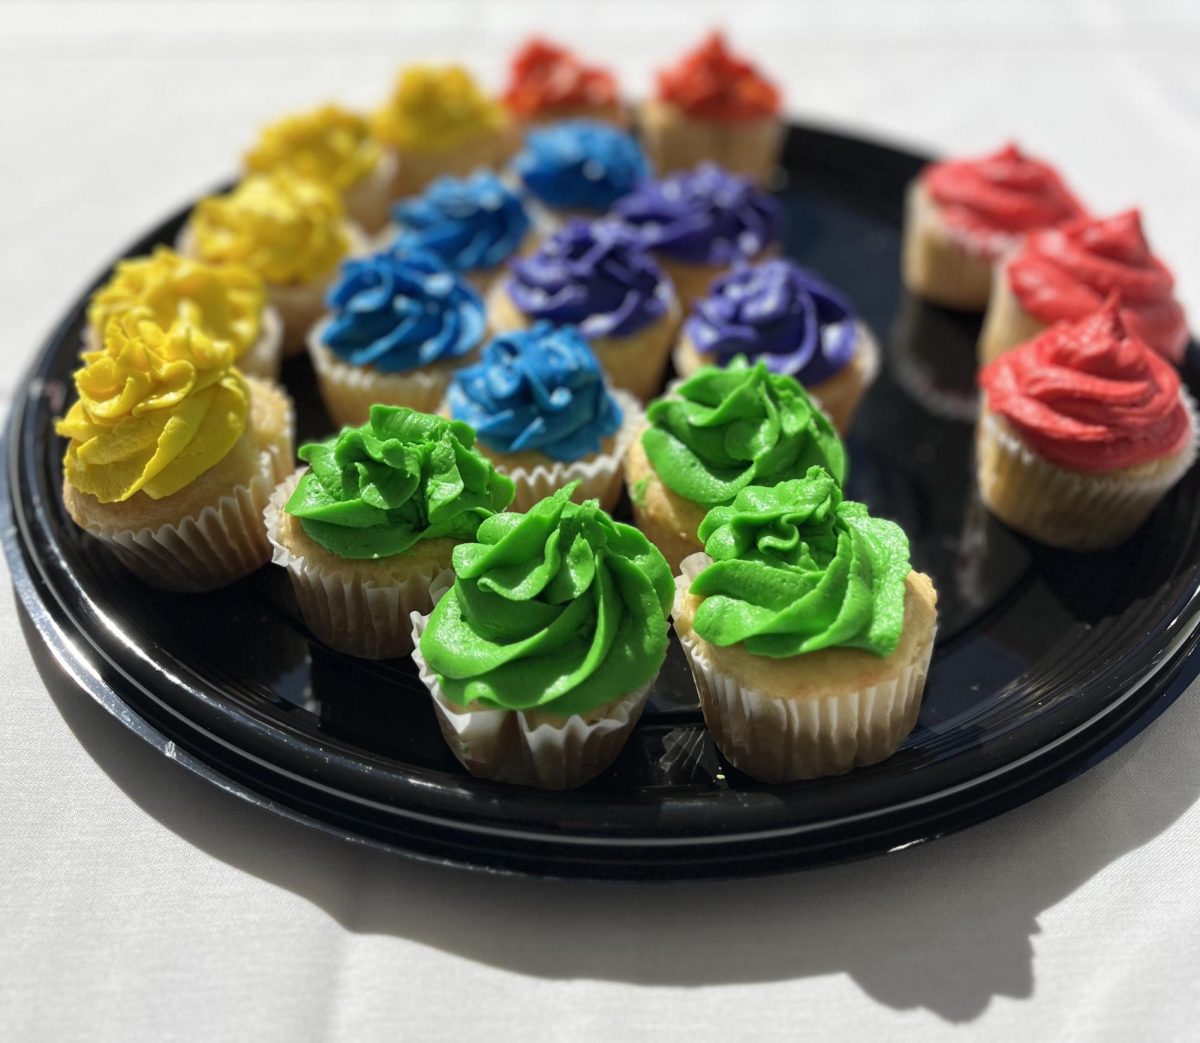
(157, 408)
(437, 107)
(286, 228)
(329, 144)
(224, 300)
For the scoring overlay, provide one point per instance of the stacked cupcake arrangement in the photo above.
(492, 293)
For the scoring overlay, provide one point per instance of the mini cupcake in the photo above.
(400, 324)
(333, 146)
(713, 106)
(1083, 431)
(439, 121)
(548, 83)
(541, 653)
(963, 215)
(807, 631)
(716, 433)
(787, 317)
(226, 301)
(596, 276)
(474, 224)
(373, 519)
(543, 414)
(172, 453)
(698, 222)
(1064, 274)
(290, 231)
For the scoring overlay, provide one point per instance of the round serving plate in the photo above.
(1045, 661)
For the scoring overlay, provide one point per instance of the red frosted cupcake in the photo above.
(548, 83)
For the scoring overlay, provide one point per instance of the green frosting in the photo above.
(374, 491)
(796, 569)
(729, 428)
(562, 609)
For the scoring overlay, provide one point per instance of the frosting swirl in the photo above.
(1089, 396)
(561, 609)
(539, 389)
(374, 491)
(1066, 273)
(545, 79)
(434, 108)
(330, 144)
(581, 165)
(594, 275)
(797, 569)
(710, 83)
(471, 223)
(725, 429)
(398, 311)
(157, 408)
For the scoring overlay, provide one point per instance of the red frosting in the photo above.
(711, 84)
(545, 77)
(1067, 272)
(1090, 396)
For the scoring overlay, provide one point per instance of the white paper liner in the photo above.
(510, 746)
(781, 740)
(369, 201)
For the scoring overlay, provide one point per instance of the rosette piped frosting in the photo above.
(581, 165)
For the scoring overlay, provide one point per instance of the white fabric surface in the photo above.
(140, 903)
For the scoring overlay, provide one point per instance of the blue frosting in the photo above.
(471, 223)
(398, 312)
(540, 388)
(581, 165)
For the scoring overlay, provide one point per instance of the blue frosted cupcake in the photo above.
(398, 326)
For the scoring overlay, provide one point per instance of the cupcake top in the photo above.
(779, 313)
(224, 300)
(545, 79)
(471, 223)
(1066, 273)
(581, 165)
(703, 216)
(1090, 396)
(560, 609)
(797, 569)
(538, 389)
(286, 228)
(725, 429)
(376, 490)
(157, 408)
(434, 108)
(399, 311)
(595, 275)
(331, 145)
(711, 83)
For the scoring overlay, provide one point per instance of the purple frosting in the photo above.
(703, 216)
(595, 275)
(779, 313)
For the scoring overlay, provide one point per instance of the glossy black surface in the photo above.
(1045, 661)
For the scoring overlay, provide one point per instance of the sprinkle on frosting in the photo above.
(711, 83)
(546, 79)
(581, 165)
(434, 108)
(330, 144)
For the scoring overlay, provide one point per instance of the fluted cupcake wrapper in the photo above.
(369, 201)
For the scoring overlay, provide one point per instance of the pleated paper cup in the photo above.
(369, 200)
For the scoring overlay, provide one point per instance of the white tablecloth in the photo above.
(139, 903)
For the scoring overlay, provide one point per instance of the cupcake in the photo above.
(474, 224)
(713, 106)
(172, 453)
(1064, 274)
(288, 230)
(226, 301)
(698, 222)
(716, 433)
(543, 414)
(374, 517)
(1083, 431)
(439, 121)
(962, 215)
(547, 83)
(596, 276)
(400, 323)
(788, 318)
(541, 653)
(333, 146)
(807, 631)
